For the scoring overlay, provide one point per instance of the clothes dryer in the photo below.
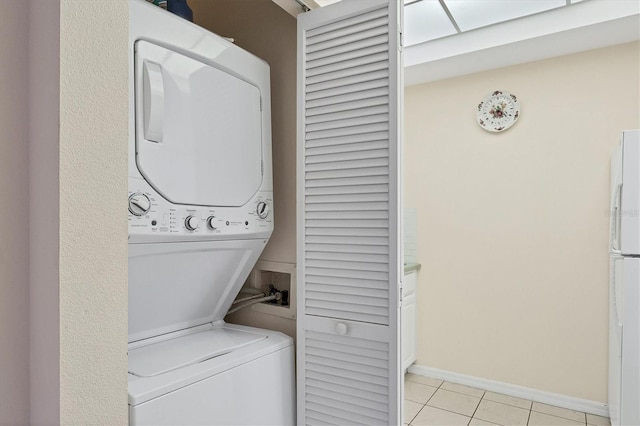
(200, 214)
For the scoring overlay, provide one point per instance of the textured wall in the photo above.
(264, 29)
(44, 61)
(14, 207)
(513, 227)
(93, 219)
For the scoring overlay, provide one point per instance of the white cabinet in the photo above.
(408, 320)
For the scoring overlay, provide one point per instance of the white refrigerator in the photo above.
(624, 283)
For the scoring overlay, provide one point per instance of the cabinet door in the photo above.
(410, 283)
(349, 80)
(408, 330)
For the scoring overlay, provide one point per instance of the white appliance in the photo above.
(624, 287)
(200, 198)
(408, 322)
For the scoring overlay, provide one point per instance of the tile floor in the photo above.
(432, 402)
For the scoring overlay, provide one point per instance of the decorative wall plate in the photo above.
(498, 111)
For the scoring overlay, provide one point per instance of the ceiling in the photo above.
(449, 38)
(490, 39)
(426, 20)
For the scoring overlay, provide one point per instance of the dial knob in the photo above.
(191, 223)
(139, 204)
(210, 223)
(262, 210)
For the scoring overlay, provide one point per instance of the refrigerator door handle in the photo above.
(616, 219)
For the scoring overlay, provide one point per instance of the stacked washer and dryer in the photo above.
(200, 214)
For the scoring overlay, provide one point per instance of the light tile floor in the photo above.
(432, 402)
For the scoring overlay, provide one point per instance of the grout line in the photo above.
(448, 411)
(478, 406)
(476, 410)
(484, 392)
(508, 405)
(511, 405)
(560, 417)
(462, 393)
(424, 384)
(444, 409)
(486, 421)
(433, 394)
(416, 415)
(425, 404)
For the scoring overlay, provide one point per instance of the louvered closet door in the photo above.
(349, 101)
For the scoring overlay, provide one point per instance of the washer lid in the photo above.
(198, 129)
(175, 286)
(162, 357)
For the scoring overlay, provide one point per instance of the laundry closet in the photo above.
(203, 205)
(200, 214)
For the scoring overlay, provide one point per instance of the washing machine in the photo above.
(200, 214)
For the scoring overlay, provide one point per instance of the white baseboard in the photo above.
(558, 400)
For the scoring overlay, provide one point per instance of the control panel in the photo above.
(152, 218)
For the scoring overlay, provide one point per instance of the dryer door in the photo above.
(198, 129)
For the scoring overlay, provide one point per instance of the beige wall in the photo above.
(14, 216)
(93, 220)
(267, 31)
(513, 226)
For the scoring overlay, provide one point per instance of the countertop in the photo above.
(410, 267)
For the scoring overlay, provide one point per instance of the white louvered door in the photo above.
(349, 262)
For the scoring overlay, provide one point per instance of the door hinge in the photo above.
(400, 295)
(400, 41)
(260, 103)
(304, 7)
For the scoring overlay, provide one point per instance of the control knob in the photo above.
(262, 210)
(139, 204)
(191, 223)
(210, 222)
